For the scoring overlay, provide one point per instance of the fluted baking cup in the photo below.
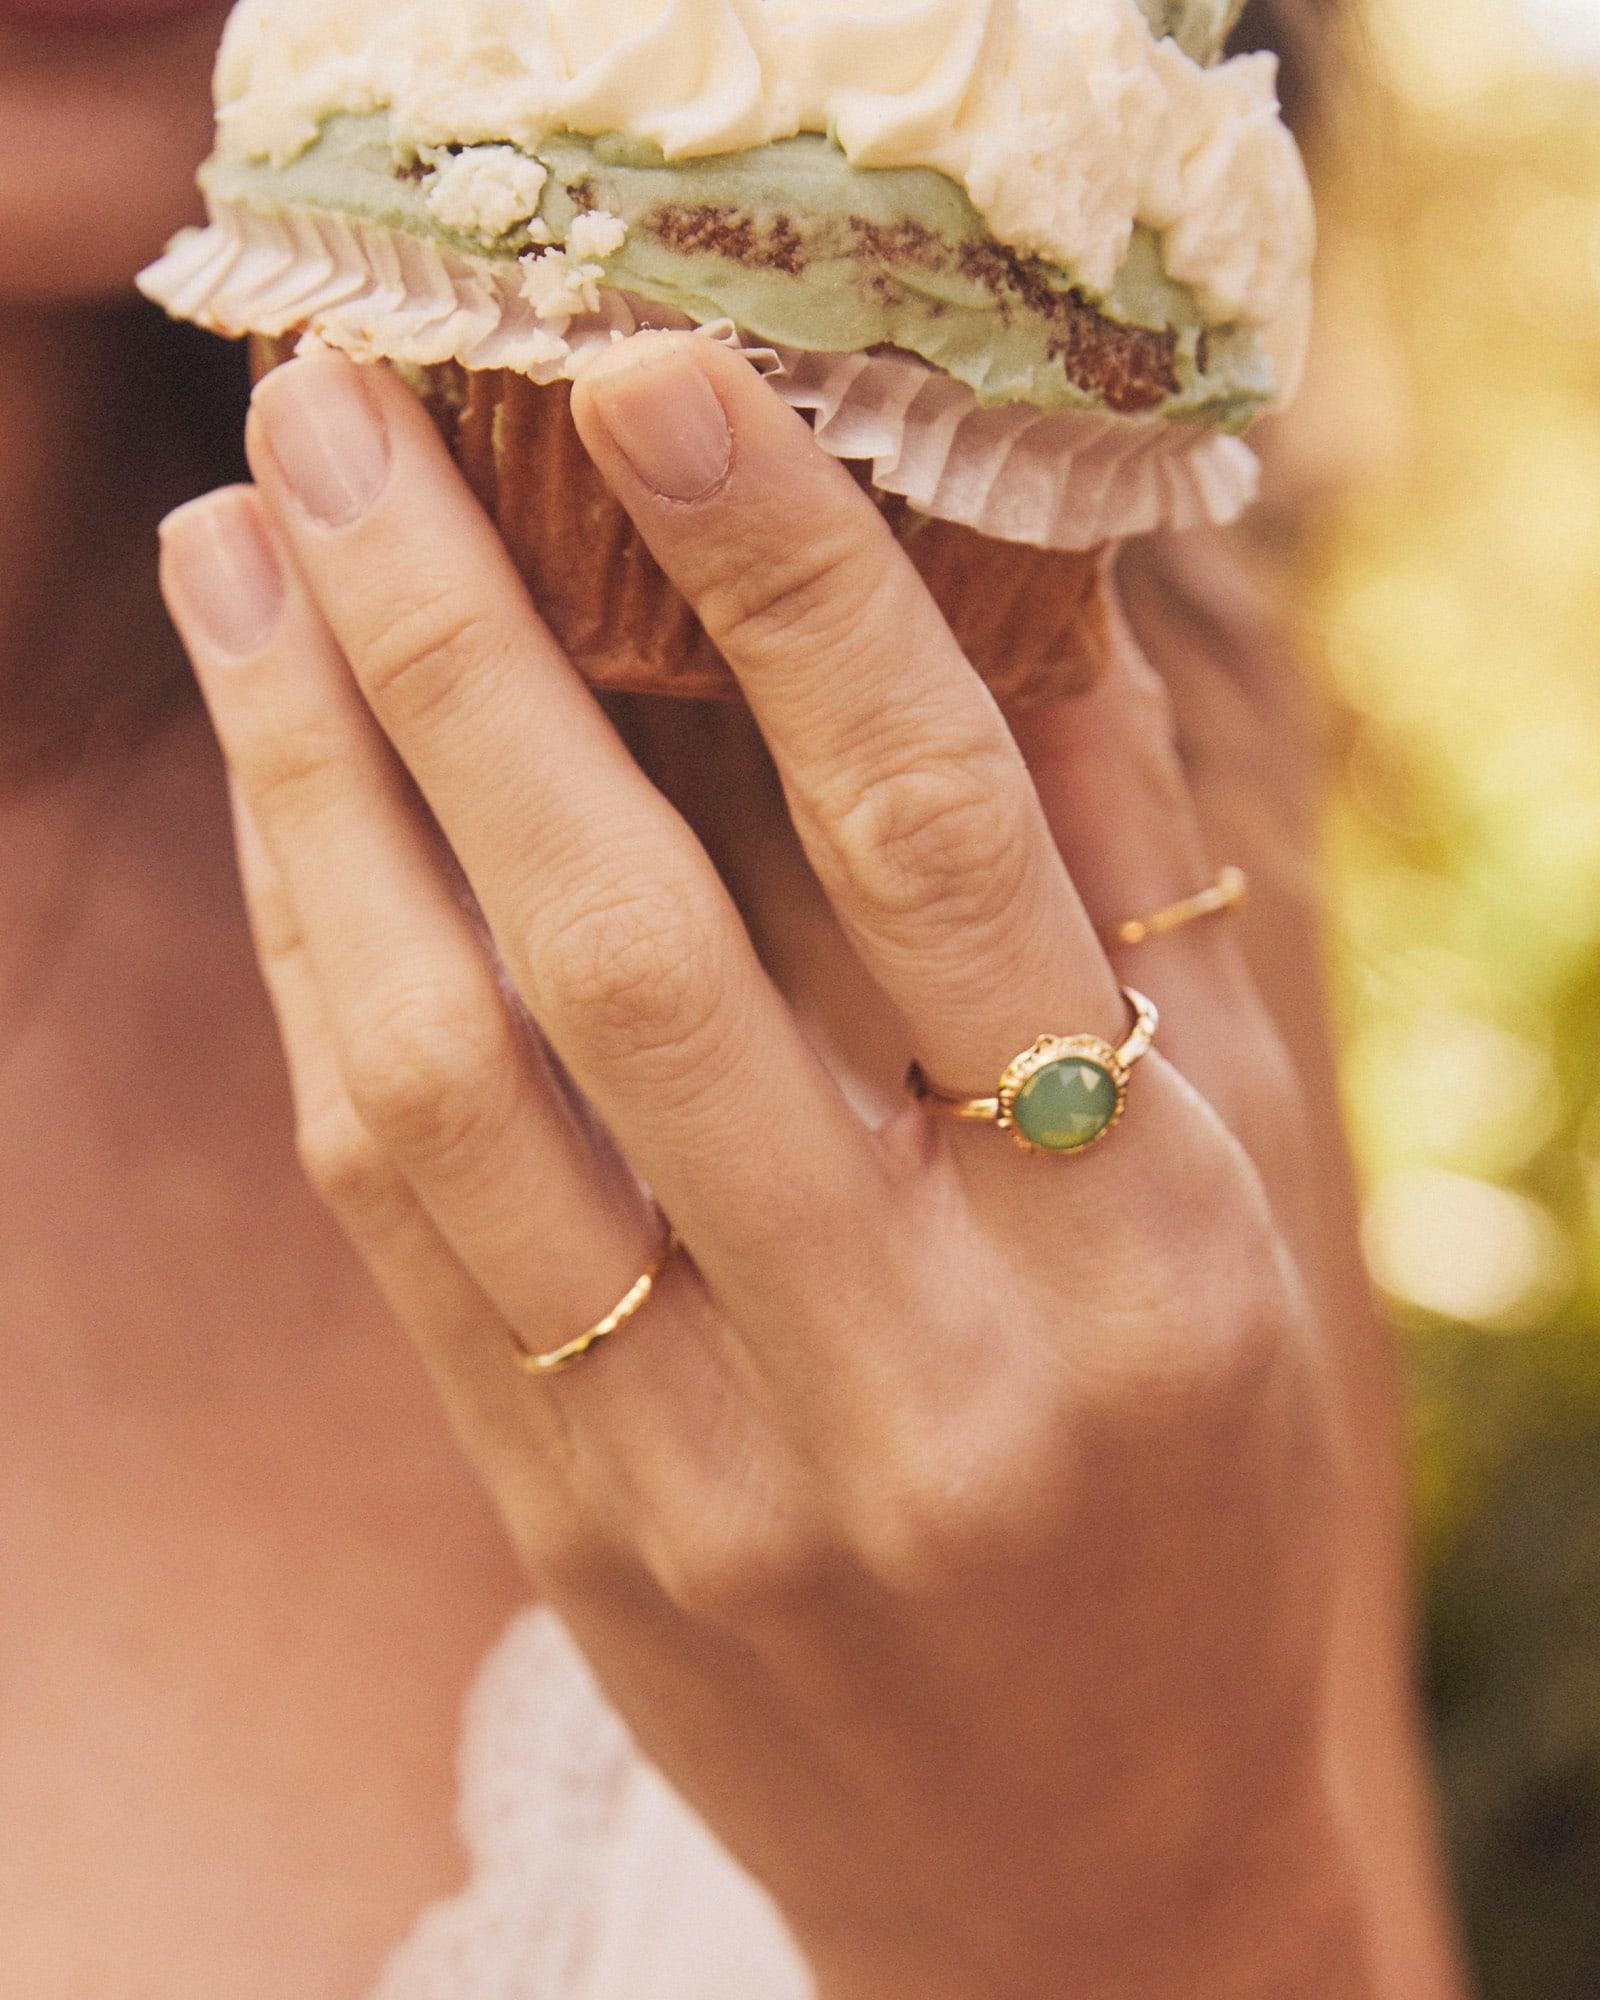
(1062, 479)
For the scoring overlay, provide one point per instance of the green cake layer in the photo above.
(798, 247)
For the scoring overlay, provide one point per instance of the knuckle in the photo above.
(571, 1563)
(633, 972)
(1272, 1098)
(733, 1576)
(274, 925)
(983, 1491)
(965, 1520)
(942, 837)
(346, 1169)
(814, 593)
(413, 659)
(1256, 1086)
(1221, 1244)
(428, 1068)
(280, 767)
(1263, 1326)
(1216, 1300)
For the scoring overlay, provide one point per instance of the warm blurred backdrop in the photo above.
(1454, 596)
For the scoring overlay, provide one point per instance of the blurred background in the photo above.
(1453, 593)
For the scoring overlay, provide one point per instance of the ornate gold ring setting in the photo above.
(1062, 1095)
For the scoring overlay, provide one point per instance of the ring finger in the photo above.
(1122, 807)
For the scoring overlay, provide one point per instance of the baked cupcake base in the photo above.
(1034, 622)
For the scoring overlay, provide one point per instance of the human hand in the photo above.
(950, 1524)
(1215, 765)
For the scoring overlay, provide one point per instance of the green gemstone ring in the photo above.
(1064, 1094)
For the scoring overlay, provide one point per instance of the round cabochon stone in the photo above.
(1066, 1104)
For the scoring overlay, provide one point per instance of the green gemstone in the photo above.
(1066, 1104)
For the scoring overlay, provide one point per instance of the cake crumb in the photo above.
(557, 288)
(486, 191)
(560, 284)
(597, 233)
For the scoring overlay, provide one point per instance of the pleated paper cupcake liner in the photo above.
(1057, 480)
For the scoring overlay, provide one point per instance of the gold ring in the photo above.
(632, 1301)
(1229, 890)
(1060, 1096)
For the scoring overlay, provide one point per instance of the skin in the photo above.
(1145, 1458)
(236, 1648)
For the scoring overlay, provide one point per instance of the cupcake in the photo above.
(1029, 266)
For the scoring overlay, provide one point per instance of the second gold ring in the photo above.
(1228, 892)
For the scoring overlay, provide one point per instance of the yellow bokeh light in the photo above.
(1467, 1250)
(1455, 590)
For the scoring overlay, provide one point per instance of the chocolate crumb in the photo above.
(785, 247)
(709, 229)
(1130, 368)
(904, 242)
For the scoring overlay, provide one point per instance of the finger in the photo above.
(1111, 779)
(532, 1456)
(618, 933)
(1248, 749)
(743, 822)
(682, 1493)
(455, 1327)
(907, 789)
(434, 1074)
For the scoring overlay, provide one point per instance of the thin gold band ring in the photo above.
(627, 1307)
(1228, 892)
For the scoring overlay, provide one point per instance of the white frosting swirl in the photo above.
(1066, 121)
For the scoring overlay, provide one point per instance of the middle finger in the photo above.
(906, 787)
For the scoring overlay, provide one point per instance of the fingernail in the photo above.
(223, 573)
(666, 420)
(327, 436)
